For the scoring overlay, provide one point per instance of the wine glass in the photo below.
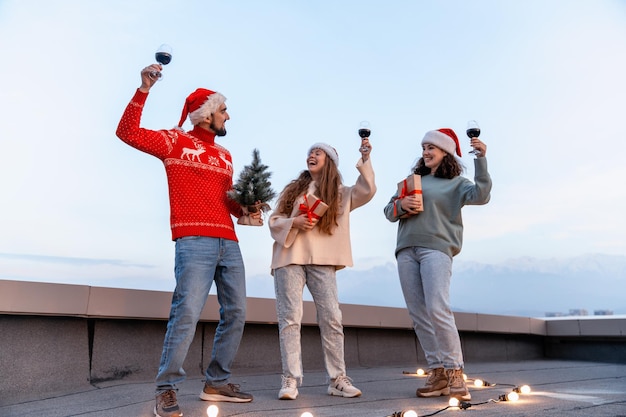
(473, 131)
(364, 131)
(163, 56)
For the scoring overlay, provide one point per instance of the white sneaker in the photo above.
(342, 387)
(288, 389)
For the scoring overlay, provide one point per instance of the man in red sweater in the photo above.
(199, 174)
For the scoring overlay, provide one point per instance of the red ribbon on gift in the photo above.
(403, 193)
(304, 208)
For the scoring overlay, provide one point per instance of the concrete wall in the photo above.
(59, 337)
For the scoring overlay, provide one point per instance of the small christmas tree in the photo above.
(253, 189)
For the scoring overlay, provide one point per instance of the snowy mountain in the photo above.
(527, 287)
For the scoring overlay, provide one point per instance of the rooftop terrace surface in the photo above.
(559, 388)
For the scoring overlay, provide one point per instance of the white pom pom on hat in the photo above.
(445, 139)
(330, 151)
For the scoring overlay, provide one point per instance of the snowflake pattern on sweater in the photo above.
(199, 174)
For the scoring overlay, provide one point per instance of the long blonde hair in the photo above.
(327, 190)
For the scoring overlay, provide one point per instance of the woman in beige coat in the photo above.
(311, 229)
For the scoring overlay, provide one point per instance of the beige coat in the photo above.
(292, 246)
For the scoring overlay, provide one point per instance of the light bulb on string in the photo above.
(511, 396)
(456, 403)
(306, 414)
(420, 372)
(524, 389)
(482, 383)
(212, 411)
(405, 413)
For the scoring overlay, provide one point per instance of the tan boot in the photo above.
(436, 385)
(458, 389)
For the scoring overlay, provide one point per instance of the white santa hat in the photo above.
(445, 139)
(330, 151)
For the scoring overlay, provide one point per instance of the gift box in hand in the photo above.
(312, 206)
(411, 185)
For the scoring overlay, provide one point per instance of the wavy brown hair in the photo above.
(327, 190)
(448, 168)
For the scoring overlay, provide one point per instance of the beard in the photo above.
(218, 131)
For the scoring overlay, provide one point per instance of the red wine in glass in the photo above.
(163, 56)
(473, 131)
(364, 131)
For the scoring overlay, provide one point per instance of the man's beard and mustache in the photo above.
(218, 132)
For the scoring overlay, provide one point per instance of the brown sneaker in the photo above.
(458, 389)
(166, 405)
(436, 385)
(227, 393)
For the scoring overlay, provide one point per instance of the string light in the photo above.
(482, 383)
(456, 403)
(524, 389)
(406, 413)
(418, 372)
(511, 396)
(306, 414)
(212, 411)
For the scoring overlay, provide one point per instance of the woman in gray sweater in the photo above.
(430, 234)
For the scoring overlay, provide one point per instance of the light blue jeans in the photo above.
(199, 262)
(425, 276)
(289, 282)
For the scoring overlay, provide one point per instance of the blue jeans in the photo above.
(289, 282)
(199, 262)
(425, 280)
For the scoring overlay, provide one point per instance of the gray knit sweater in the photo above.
(440, 225)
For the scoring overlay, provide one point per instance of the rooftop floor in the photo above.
(559, 388)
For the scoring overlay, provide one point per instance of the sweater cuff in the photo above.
(480, 166)
(140, 97)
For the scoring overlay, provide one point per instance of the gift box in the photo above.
(312, 206)
(411, 185)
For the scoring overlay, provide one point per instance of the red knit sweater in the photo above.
(199, 173)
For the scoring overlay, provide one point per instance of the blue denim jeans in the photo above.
(289, 282)
(425, 276)
(199, 262)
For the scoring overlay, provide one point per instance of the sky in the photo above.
(545, 80)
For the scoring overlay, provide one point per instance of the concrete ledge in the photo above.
(490, 323)
(19, 297)
(587, 326)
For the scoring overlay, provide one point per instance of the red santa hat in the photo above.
(200, 104)
(330, 151)
(445, 139)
